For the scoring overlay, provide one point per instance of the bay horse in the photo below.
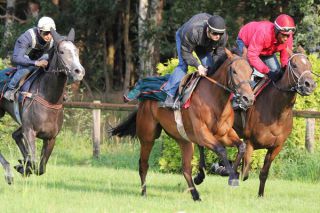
(269, 121)
(208, 121)
(42, 110)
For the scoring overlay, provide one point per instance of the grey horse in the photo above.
(42, 110)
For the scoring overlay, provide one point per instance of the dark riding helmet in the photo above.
(216, 24)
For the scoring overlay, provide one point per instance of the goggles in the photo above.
(288, 29)
(45, 33)
(213, 32)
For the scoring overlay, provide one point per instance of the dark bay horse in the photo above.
(269, 121)
(208, 121)
(42, 111)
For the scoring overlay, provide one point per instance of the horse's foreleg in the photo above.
(241, 150)
(29, 136)
(247, 161)
(187, 153)
(7, 170)
(17, 136)
(222, 153)
(45, 154)
(271, 154)
(201, 174)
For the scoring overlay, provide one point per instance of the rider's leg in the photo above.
(20, 73)
(174, 80)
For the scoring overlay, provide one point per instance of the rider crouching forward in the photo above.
(31, 52)
(204, 34)
(259, 41)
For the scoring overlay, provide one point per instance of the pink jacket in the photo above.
(260, 39)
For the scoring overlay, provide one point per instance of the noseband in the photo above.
(293, 74)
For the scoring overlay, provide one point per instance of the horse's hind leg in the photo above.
(187, 153)
(45, 154)
(201, 174)
(7, 170)
(147, 132)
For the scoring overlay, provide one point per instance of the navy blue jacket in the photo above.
(29, 48)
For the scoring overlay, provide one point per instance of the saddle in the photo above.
(24, 83)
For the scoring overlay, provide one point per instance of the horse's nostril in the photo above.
(307, 84)
(77, 71)
(245, 99)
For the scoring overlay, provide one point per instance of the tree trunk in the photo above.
(143, 11)
(9, 23)
(157, 8)
(127, 47)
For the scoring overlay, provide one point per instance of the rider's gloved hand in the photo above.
(202, 70)
(274, 76)
(41, 63)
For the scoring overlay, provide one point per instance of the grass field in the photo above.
(102, 189)
(75, 182)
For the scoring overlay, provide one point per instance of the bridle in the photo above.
(232, 87)
(61, 66)
(295, 76)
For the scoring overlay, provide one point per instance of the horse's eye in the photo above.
(294, 66)
(234, 72)
(61, 52)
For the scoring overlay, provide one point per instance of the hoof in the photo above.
(198, 180)
(197, 200)
(245, 178)
(9, 179)
(233, 182)
(26, 172)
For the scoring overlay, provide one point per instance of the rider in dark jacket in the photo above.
(30, 52)
(204, 34)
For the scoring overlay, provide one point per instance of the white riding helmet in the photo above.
(45, 23)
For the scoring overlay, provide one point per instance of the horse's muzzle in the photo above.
(307, 87)
(246, 101)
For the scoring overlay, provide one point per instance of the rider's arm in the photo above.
(219, 55)
(21, 47)
(284, 56)
(255, 48)
(189, 41)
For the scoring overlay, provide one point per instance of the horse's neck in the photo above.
(51, 84)
(278, 101)
(217, 93)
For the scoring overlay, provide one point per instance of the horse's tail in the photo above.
(127, 127)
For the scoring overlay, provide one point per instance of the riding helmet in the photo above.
(216, 24)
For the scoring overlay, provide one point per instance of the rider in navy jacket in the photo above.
(31, 51)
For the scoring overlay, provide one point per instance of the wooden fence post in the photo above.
(96, 131)
(310, 128)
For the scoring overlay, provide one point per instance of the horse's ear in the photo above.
(289, 51)
(56, 37)
(71, 35)
(301, 50)
(229, 53)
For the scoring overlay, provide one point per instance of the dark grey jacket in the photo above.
(194, 37)
(30, 47)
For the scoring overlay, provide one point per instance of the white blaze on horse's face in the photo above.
(70, 55)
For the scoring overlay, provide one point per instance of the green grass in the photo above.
(76, 182)
(99, 189)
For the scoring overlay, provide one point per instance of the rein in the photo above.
(235, 86)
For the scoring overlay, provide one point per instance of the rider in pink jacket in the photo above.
(263, 39)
